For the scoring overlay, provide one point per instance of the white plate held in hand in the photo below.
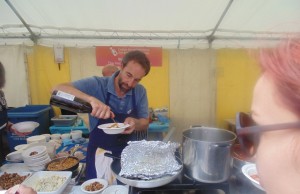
(113, 130)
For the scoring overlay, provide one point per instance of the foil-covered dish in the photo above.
(148, 160)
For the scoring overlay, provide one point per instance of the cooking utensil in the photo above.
(206, 153)
(115, 123)
(72, 151)
(116, 168)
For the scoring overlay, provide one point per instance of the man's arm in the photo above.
(100, 110)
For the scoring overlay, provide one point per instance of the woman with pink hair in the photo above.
(274, 139)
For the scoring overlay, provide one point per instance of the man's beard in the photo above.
(121, 86)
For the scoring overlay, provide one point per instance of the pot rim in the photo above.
(211, 128)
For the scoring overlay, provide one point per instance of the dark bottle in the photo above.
(70, 102)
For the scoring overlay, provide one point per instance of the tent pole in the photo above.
(212, 85)
(33, 37)
(211, 36)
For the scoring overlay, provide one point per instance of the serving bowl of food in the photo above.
(93, 186)
(67, 163)
(113, 128)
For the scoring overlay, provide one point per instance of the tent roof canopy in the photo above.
(167, 23)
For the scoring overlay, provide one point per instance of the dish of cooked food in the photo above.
(58, 165)
(95, 186)
(49, 184)
(8, 180)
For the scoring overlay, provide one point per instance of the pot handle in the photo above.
(111, 156)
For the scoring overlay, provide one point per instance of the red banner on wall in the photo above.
(114, 54)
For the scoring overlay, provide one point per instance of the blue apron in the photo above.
(114, 143)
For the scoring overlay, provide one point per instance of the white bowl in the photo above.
(26, 126)
(113, 130)
(39, 163)
(41, 150)
(101, 181)
(55, 136)
(250, 170)
(66, 136)
(48, 136)
(36, 138)
(14, 156)
(116, 189)
(35, 160)
(76, 134)
(21, 147)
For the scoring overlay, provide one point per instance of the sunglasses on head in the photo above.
(248, 132)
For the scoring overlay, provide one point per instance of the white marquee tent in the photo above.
(165, 23)
(169, 24)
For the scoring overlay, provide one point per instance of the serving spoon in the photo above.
(73, 150)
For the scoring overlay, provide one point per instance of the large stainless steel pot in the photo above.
(206, 154)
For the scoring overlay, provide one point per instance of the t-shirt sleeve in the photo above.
(87, 85)
(142, 103)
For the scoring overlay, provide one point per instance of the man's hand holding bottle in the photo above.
(100, 110)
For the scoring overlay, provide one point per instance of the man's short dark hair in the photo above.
(138, 57)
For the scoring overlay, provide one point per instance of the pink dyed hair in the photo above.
(283, 64)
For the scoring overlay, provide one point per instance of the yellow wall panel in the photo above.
(44, 73)
(157, 84)
(237, 72)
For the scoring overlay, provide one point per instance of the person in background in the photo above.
(276, 105)
(5, 125)
(109, 70)
(119, 96)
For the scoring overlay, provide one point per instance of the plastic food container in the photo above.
(33, 180)
(36, 139)
(64, 120)
(55, 136)
(76, 134)
(66, 136)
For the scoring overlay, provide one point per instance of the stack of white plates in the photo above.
(36, 158)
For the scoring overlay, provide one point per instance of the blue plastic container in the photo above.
(79, 126)
(37, 113)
